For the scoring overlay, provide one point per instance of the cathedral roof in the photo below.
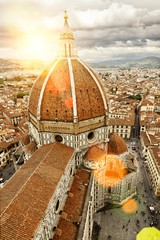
(73, 208)
(25, 197)
(67, 89)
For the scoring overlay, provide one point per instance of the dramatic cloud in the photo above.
(103, 30)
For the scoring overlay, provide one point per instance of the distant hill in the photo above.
(148, 62)
(9, 64)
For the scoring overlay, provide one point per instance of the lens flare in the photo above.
(113, 172)
(129, 206)
(69, 102)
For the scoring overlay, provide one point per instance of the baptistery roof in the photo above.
(68, 90)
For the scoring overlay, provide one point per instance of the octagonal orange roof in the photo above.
(66, 90)
(95, 153)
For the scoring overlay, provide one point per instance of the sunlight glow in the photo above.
(36, 44)
(113, 173)
(129, 206)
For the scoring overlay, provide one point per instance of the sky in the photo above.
(103, 29)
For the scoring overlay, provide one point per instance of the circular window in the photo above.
(91, 135)
(58, 138)
(57, 206)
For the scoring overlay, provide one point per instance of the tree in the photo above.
(20, 95)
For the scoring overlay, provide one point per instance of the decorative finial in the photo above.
(65, 15)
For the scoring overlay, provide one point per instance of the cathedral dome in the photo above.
(67, 91)
(116, 144)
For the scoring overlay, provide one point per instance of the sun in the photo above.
(35, 43)
(35, 47)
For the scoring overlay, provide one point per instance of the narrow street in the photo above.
(8, 171)
(136, 127)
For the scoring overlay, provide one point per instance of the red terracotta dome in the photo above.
(66, 90)
(116, 144)
(95, 153)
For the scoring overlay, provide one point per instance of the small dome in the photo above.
(30, 148)
(116, 144)
(94, 153)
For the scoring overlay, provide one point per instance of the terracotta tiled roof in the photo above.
(88, 96)
(146, 102)
(153, 139)
(73, 208)
(122, 122)
(149, 139)
(57, 100)
(36, 90)
(12, 113)
(145, 138)
(68, 232)
(116, 144)
(4, 145)
(26, 139)
(25, 197)
(95, 153)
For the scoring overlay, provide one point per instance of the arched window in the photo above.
(69, 50)
(65, 50)
(57, 206)
(109, 189)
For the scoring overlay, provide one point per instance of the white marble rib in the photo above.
(42, 90)
(72, 88)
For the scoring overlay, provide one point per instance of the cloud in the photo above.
(102, 29)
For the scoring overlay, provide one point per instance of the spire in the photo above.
(66, 39)
(66, 29)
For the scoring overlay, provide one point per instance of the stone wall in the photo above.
(51, 218)
(78, 142)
